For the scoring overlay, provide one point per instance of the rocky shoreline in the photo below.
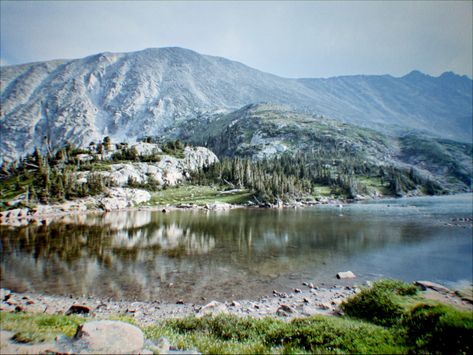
(121, 199)
(305, 301)
(102, 333)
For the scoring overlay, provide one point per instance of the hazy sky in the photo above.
(291, 39)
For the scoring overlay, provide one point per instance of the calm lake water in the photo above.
(245, 253)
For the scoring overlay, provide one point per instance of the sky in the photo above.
(289, 39)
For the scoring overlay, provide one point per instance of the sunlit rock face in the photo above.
(147, 93)
(168, 171)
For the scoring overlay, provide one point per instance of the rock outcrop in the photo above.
(169, 170)
(120, 198)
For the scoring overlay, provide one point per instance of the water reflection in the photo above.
(242, 253)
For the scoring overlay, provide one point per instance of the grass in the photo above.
(423, 326)
(198, 195)
(39, 327)
(225, 334)
(322, 191)
(374, 184)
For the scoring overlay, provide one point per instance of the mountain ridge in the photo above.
(123, 95)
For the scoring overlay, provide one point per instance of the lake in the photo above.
(241, 253)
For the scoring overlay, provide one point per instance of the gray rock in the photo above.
(346, 275)
(433, 286)
(118, 198)
(285, 310)
(108, 337)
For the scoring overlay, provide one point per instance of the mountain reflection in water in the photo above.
(234, 254)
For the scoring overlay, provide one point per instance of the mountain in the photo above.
(259, 131)
(131, 95)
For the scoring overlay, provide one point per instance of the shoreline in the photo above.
(302, 302)
(44, 213)
(306, 301)
(24, 216)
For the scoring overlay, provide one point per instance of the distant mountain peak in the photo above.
(416, 74)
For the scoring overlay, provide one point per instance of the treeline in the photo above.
(292, 177)
(51, 178)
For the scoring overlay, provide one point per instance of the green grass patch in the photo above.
(39, 327)
(198, 195)
(373, 184)
(225, 334)
(422, 325)
(321, 191)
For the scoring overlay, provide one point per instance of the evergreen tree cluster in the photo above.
(293, 177)
(52, 178)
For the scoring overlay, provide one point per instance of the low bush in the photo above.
(439, 328)
(378, 304)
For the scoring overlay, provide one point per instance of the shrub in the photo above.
(439, 328)
(379, 304)
(396, 286)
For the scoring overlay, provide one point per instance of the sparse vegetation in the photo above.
(291, 177)
(198, 195)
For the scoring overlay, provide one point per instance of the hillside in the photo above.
(267, 130)
(122, 95)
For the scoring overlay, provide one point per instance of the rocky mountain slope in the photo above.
(129, 95)
(265, 130)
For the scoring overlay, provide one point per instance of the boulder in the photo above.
(346, 275)
(119, 198)
(433, 286)
(285, 310)
(108, 337)
(78, 309)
